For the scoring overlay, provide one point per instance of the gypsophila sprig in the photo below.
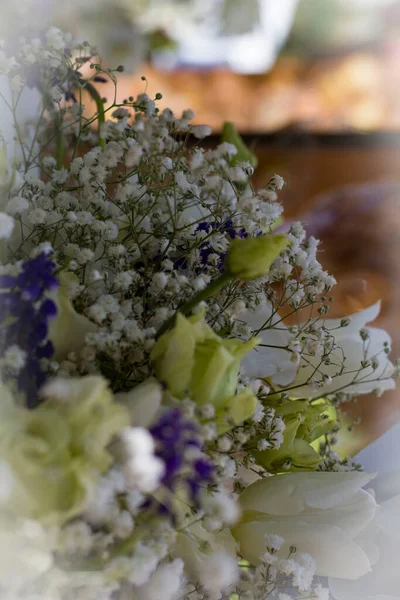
(151, 370)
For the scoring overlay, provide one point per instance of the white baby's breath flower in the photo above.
(201, 131)
(15, 358)
(6, 226)
(17, 205)
(218, 572)
(181, 181)
(37, 216)
(273, 541)
(142, 468)
(7, 64)
(25, 551)
(165, 583)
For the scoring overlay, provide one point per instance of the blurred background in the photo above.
(314, 88)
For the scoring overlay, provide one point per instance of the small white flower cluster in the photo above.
(143, 470)
(295, 575)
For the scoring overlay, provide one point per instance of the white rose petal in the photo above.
(382, 537)
(321, 514)
(272, 362)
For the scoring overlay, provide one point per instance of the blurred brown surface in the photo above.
(360, 230)
(348, 194)
(357, 91)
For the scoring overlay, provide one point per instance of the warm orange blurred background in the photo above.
(359, 91)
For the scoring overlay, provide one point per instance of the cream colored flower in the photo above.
(69, 329)
(321, 514)
(56, 452)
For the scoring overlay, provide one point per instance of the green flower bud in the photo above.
(304, 424)
(236, 410)
(231, 136)
(249, 258)
(192, 360)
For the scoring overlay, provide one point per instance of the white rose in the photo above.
(275, 361)
(321, 514)
(383, 581)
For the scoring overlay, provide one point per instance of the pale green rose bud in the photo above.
(249, 258)
(57, 451)
(173, 354)
(192, 360)
(237, 409)
(304, 424)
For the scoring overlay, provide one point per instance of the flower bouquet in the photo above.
(170, 376)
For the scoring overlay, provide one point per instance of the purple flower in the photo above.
(24, 315)
(179, 445)
(205, 248)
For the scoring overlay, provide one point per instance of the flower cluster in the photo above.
(178, 447)
(150, 371)
(25, 313)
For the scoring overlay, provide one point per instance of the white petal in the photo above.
(352, 516)
(270, 362)
(335, 554)
(69, 329)
(383, 454)
(325, 490)
(266, 361)
(143, 402)
(358, 321)
(387, 485)
(273, 495)
(383, 580)
(353, 380)
(388, 517)
(288, 494)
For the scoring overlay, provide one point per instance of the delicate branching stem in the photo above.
(94, 94)
(187, 308)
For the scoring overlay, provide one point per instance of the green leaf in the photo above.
(231, 136)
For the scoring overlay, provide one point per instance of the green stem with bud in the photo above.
(207, 292)
(94, 94)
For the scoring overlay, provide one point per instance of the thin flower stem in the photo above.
(187, 308)
(100, 110)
